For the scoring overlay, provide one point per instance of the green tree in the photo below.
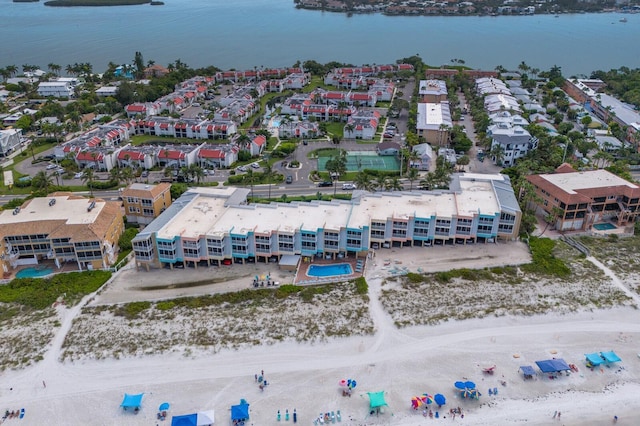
(412, 176)
(337, 166)
(41, 182)
(24, 122)
(88, 176)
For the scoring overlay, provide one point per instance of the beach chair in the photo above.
(338, 416)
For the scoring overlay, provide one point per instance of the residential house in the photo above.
(218, 156)
(424, 154)
(388, 148)
(143, 203)
(514, 142)
(362, 125)
(155, 71)
(257, 145)
(177, 156)
(55, 89)
(9, 141)
(138, 157)
(298, 129)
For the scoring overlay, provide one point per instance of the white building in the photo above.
(56, 89)
(434, 122)
(213, 225)
(9, 140)
(514, 141)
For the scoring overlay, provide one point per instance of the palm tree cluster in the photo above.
(373, 182)
(83, 69)
(193, 171)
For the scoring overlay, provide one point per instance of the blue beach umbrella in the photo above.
(164, 406)
(469, 385)
(459, 385)
(440, 399)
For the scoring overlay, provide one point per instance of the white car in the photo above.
(349, 186)
(242, 169)
(78, 175)
(51, 166)
(255, 165)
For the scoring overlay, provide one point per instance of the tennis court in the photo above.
(361, 160)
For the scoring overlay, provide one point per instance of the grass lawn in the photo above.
(316, 81)
(335, 128)
(150, 139)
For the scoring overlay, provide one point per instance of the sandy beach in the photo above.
(305, 376)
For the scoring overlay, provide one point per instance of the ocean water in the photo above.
(247, 33)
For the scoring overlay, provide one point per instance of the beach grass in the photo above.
(228, 320)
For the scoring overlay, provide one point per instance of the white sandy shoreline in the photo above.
(403, 362)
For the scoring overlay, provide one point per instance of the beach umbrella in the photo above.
(351, 383)
(469, 385)
(440, 399)
(164, 406)
(459, 385)
(427, 398)
(416, 402)
(343, 383)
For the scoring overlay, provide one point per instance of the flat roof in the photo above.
(432, 115)
(72, 210)
(570, 182)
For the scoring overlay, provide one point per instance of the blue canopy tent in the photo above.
(186, 420)
(553, 365)
(528, 371)
(594, 359)
(202, 418)
(132, 401)
(240, 412)
(610, 357)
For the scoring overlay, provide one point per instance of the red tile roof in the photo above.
(260, 140)
(133, 155)
(172, 155)
(89, 156)
(211, 153)
(136, 108)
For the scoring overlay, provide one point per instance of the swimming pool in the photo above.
(329, 270)
(40, 271)
(275, 122)
(605, 226)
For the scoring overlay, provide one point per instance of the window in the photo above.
(147, 212)
(147, 203)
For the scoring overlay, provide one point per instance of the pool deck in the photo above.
(66, 267)
(303, 279)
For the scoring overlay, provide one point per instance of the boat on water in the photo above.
(623, 20)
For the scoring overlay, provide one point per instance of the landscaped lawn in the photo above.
(335, 128)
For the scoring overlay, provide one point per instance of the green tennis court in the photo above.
(361, 160)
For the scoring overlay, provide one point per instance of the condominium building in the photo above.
(210, 225)
(578, 200)
(61, 228)
(434, 122)
(143, 203)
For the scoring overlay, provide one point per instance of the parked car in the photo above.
(255, 165)
(144, 174)
(51, 166)
(242, 169)
(325, 184)
(289, 179)
(349, 186)
(388, 135)
(78, 175)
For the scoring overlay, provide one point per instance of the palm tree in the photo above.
(12, 70)
(524, 67)
(5, 74)
(393, 184)
(250, 178)
(497, 153)
(243, 141)
(348, 128)
(412, 176)
(196, 172)
(268, 174)
(41, 181)
(115, 174)
(363, 181)
(88, 176)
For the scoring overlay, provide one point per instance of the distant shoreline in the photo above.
(73, 3)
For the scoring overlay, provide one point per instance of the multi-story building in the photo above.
(143, 203)
(577, 200)
(514, 142)
(56, 89)
(433, 91)
(209, 226)
(61, 228)
(434, 123)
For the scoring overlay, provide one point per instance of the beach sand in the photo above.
(402, 362)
